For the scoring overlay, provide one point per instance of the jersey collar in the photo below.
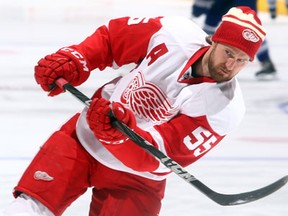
(194, 80)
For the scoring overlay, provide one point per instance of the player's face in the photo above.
(225, 62)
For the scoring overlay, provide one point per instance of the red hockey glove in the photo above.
(99, 121)
(67, 63)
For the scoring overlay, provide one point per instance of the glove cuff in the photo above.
(80, 61)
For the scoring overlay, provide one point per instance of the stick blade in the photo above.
(242, 198)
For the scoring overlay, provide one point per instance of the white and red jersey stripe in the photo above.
(185, 116)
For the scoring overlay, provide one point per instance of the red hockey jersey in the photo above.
(185, 116)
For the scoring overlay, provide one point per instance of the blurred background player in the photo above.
(273, 8)
(201, 7)
(214, 10)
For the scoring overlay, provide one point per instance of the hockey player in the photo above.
(182, 96)
(272, 8)
(200, 7)
(214, 12)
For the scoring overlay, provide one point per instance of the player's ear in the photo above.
(209, 39)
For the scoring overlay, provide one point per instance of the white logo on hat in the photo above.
(250, 35)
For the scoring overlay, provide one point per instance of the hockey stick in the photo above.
(222, 199)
